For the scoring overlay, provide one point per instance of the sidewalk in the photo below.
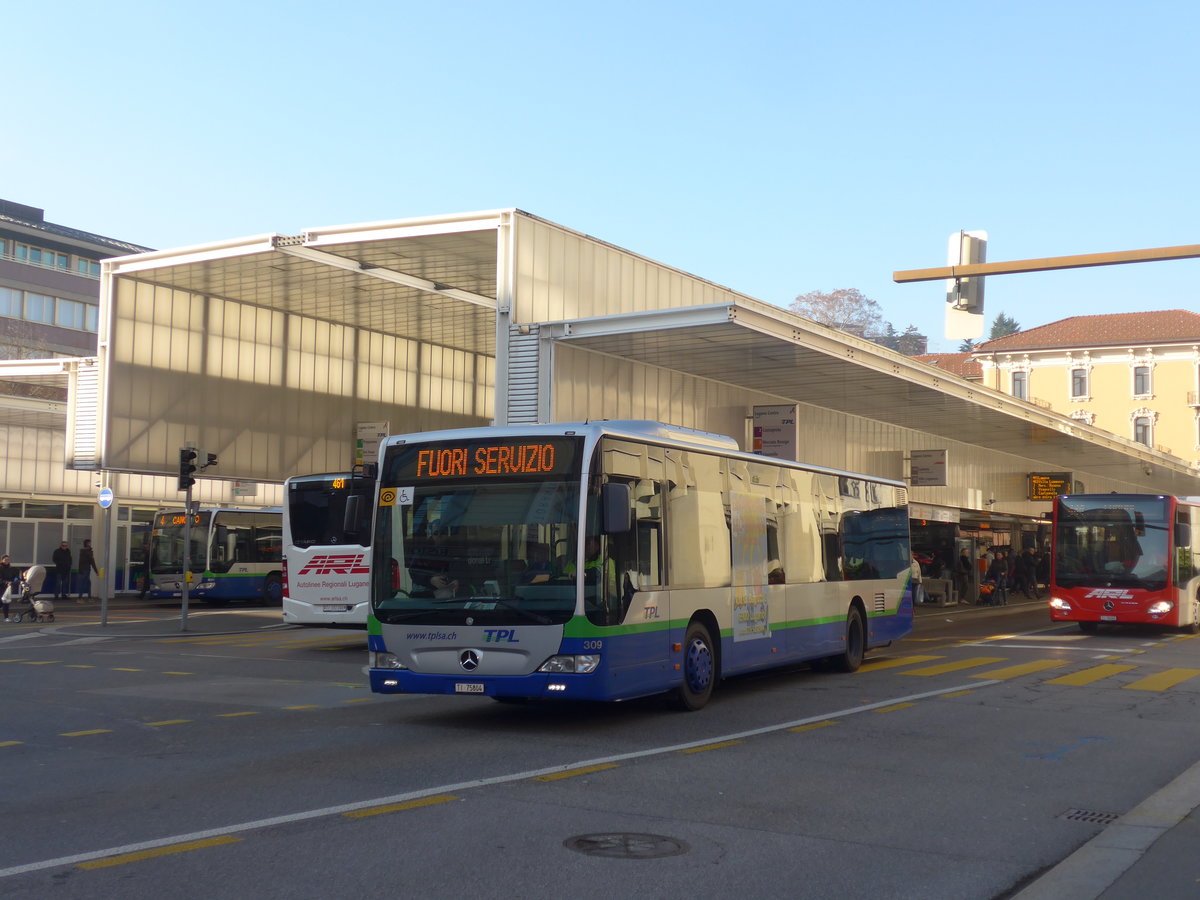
(1015, 601)
(130, 617)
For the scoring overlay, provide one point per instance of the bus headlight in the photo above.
(579, 664)
(1060, 604)
(378, 659)
(1160, 608)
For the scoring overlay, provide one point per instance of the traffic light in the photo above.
(187, 465)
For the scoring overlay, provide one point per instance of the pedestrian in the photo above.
(997, 573)
(62, 571)
(917, 590)
(87, 565)
(962, 575)
(10, 581)
(1027, 580)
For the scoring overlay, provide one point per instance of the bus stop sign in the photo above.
(105, 498)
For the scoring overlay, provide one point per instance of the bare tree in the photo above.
(846, 309)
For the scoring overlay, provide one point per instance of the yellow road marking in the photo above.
(359, 700)
(304, 706)
(86, 733)
(1162, 680)
(872, 665)
(9, 743)
(1088, 676)
(179, 673)
(71, 666)
(571, 773)
(895, 707)
(398, 807)
(234, 715)
(717, 746)
(160, 851)
(972, 663)
(170, 722)
(958, 693)
(814, 725)
(41, 662)
(123, 669)
(1039, 665)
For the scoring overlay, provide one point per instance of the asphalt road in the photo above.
(246, 758)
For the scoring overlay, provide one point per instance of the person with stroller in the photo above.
(997, 574)
(31, 585)
(62, 570)
(10, 582)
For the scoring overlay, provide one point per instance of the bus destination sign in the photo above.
(521, 457)
(1048, 485)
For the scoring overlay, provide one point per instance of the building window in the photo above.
(1079, 383)
(1143, 431)
(1020, 385)
(69, 314)
(1141, 381)
(39, 308)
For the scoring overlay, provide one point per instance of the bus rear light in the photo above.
(1161, 608)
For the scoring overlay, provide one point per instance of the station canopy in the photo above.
(269, 349)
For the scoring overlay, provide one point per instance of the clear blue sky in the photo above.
(773, 147)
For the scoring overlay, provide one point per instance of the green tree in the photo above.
(966, 346)
(1003, 325)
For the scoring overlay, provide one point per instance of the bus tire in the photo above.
(1089, 627)
(856, 643)
(699, 669)
(273, 589)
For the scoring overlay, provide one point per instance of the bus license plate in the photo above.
(338, 608)
(467, 688)
(1108, 618)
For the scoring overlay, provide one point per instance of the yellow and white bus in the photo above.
(611, 560)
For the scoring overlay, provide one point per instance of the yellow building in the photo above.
(1134, 374)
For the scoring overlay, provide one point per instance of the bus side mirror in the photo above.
(350, 517)
(616, 507)
(1183, 534)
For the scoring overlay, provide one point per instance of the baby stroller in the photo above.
(34, 609)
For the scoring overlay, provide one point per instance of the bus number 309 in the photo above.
(593, 645)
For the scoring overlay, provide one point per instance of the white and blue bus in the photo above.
(613, 560)
(235, 554)
(326, 548)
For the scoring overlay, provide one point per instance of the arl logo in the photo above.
(337, 564)
(1110, 594)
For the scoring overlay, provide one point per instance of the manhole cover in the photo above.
(625, 845)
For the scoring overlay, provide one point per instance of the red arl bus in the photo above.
(1126, 559)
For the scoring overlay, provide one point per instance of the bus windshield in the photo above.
(166, 542)
(474, 536)
(1117, 541)
(329, 510)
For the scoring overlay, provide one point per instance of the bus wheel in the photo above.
(856, 643)
(273, 589)
(699, 668)
(1089, 627)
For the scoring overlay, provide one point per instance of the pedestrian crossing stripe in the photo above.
(1089, 676)
(1039, 665)
(1161, 681)
(958, 666)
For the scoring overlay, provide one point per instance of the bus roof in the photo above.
(633, 429)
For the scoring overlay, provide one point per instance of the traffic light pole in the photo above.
(185, 588)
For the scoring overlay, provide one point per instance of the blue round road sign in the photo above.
(105, 498)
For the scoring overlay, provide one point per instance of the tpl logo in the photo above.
(1110, 594)
(500, 635)
(337, 564)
